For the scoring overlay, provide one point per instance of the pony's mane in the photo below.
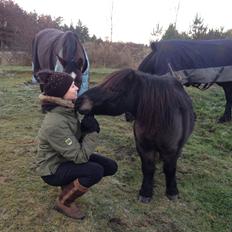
(116, 80)
(158, 99)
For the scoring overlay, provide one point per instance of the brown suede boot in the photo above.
(65, 202)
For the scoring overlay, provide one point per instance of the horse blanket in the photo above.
(192, 61)
(52, 44)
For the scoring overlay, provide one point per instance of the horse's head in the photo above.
(112, 97)
(74, 68)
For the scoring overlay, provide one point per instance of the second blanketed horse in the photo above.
(194, 62)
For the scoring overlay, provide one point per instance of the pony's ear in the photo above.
(62, 61)
(43, 76)
(80, 63)
(153, 46)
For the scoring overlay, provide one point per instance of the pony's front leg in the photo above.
(148, 169)
(169, 169)
(147, 155)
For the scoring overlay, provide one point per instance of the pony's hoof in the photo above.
(144, 199)
(173, 197)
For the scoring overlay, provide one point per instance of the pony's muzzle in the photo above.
(83, 105)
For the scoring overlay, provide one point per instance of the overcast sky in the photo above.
(134, 20)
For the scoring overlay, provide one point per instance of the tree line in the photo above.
(18, 28)
(198, 31)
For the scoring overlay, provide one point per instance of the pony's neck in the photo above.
(132, 103)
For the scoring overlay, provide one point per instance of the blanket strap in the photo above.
(208, 85)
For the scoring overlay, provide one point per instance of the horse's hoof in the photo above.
(223, 120)
(172, 197)
(144, 199)
(129, 117)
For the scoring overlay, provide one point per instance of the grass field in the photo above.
(204, 171)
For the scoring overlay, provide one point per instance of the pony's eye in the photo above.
(112, 89)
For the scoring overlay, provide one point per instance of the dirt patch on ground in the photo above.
(3, 179)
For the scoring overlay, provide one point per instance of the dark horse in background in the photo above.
(60, 51)
(164, 119)
(194, 62)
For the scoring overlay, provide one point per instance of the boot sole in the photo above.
(63, 212)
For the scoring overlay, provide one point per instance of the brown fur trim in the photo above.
(56, 100)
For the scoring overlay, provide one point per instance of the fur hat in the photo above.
(54, 83)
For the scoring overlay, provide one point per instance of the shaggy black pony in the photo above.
(194, 62)
(163, 113)
(60, 51)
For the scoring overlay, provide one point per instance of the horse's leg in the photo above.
(129, 117)
(34, 78)
(148, 169)
(147, 156)
(169, 168)
(41, 87)
(227, 87)
(35, 59)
